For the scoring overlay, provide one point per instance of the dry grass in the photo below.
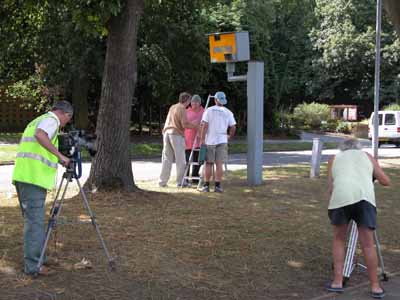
(268, 242)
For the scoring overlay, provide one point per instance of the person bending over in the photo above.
(352, 197)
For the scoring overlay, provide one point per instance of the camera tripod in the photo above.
(350, 265)
(69, 175)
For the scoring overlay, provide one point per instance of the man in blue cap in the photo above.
(218, 126)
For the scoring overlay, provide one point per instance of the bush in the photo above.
(393, 106)
(330, 125)
(311, 115)
(344, 127)
(284, 124)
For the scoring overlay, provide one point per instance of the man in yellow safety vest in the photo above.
(35, 172)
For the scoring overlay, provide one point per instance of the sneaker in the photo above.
(162, 185)
(218, 189)
(205, 189)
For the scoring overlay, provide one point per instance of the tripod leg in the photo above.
(111, 262)
(379, 252)
(55, 212)
(57, 194)
(351, 249)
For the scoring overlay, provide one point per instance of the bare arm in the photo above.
(43, 139)
(378, 172)
(231, 132)
(330, 179)
(203, 132)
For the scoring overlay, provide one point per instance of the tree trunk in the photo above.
(111, 168)
(392, 8)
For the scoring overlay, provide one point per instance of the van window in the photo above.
(389, 119)
(380, 119)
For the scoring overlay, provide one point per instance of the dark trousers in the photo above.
(32, 200)
(195, 169)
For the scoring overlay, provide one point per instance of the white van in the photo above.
(389, 127)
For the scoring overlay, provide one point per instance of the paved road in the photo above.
(150, 169)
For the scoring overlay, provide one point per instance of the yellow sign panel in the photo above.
(222, 47)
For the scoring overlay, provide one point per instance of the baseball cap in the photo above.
(221, 98)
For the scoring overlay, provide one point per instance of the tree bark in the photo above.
(111, 168)
(392, 8)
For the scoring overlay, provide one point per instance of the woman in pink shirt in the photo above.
(193, 114)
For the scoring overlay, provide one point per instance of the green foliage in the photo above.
(155, 70)
(393, 106)
(330, 125)
(285, 124)
(173, 53)
(344, 127)
(55, 38)
(20, 22)
(344, 44)
(311, 115)
(227, 15)
(319, 50)
(30, 93)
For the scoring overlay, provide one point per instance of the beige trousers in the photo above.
(173, 150)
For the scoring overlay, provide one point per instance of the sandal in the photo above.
(378, 295)
(332, 289)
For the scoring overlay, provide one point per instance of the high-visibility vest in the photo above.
(34, 164)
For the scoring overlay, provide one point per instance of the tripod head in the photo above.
(74, 169)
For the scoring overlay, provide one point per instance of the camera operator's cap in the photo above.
(64, 106)
(196, 98)
(221, 98)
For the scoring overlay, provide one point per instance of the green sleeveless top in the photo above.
(352, 173)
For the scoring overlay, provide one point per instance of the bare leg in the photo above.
(208, 171)
(366, 237)
(338, 253)
(219, 171)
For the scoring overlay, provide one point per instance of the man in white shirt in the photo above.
(218, 126)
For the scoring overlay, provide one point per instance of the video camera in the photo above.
(73, 141)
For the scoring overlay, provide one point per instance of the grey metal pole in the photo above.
(255, 122)
(375, 136)
(316, 158)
